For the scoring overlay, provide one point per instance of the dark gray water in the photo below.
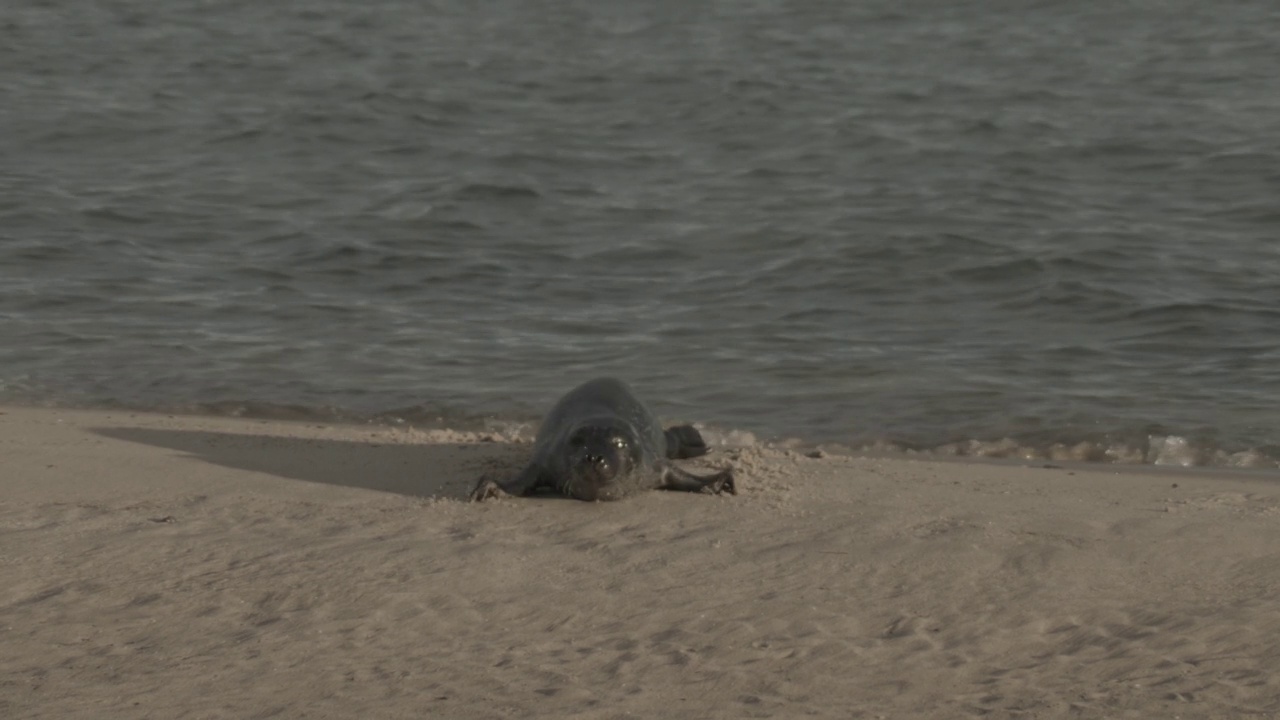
(1024, 228)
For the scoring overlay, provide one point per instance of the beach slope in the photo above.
(184, 567)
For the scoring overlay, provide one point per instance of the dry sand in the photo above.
(178, 567)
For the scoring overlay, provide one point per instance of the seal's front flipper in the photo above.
(487, 489)
(523, 484)
(684, 441)
(676, 479)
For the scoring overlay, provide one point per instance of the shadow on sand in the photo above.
(440, 470)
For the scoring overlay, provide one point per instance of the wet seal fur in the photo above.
(600, 442)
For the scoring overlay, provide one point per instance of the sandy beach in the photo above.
(154, 566)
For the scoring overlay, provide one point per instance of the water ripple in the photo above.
(775, 218)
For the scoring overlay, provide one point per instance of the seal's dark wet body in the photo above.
(600, 442)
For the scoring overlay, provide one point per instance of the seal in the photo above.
(600, 442)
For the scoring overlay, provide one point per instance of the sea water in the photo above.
(1044, 230)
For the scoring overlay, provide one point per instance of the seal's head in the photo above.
(599, 457)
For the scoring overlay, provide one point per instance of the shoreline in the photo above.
(522, 431)
(162, 566)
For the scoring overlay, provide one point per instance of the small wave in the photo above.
(103, 212)
(1166, 450)
(1204, 310)
(1000, 270)
(422, 417)
(38, 253)
(487, 191)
